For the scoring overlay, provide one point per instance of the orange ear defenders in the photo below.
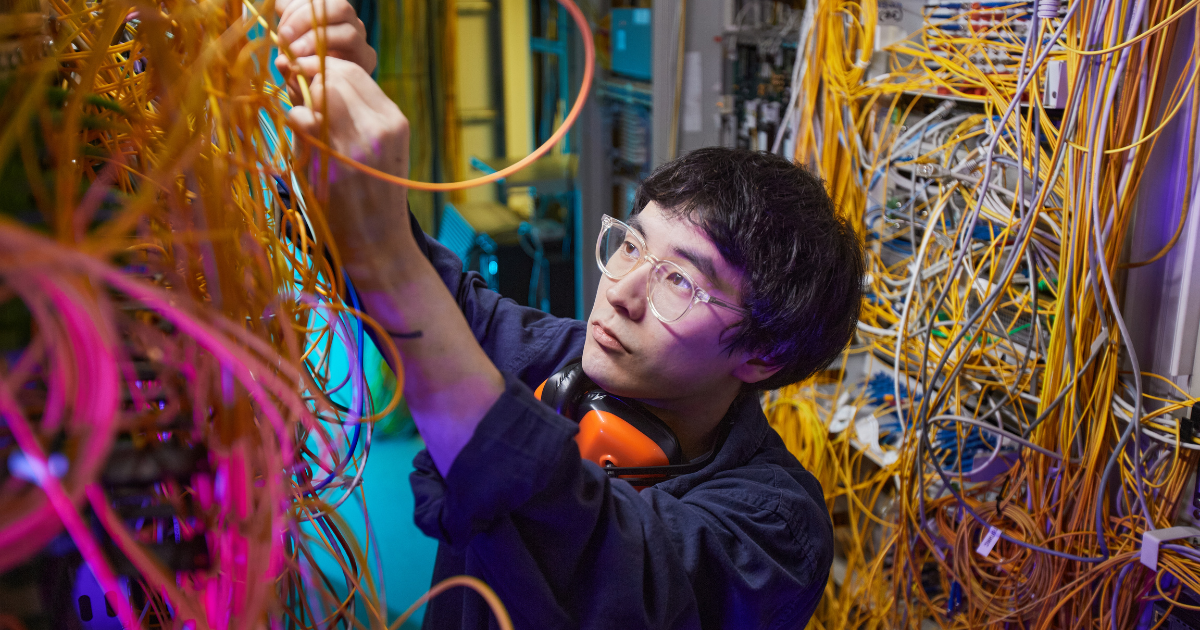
(619, 434)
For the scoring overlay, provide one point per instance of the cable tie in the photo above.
(34, 470)
(1152, 539)
(1187, 426)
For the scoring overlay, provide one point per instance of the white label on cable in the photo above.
(985, 546)
(842, 418)
(888, 34)
(693, 121)
(620, 40)
(866, 429)
(1054, 96)
(641, 16)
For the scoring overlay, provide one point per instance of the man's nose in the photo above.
(629, 293)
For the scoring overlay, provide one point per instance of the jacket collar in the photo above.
(749, 428)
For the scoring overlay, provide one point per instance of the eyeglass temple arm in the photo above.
(712, 300)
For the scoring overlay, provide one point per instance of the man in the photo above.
(734, 276)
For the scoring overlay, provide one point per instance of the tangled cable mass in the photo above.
(170, 307)
(992, 450)
(178, 309)
(171, 302)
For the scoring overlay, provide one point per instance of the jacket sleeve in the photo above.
(564, 546)
(523, 341)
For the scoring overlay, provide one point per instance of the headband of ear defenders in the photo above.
(619, 434)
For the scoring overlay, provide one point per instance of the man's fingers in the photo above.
(281, 6)
(339, 39)
(309, 121)
(310, 66)
(344, 34)
(283, 65)
(353, 96)
(342, 43)
(362, 121)
(316, 90)
(343, 85)
(329, 96)
(304, 121)
(298, 19)
(356, 78)
(304, 118)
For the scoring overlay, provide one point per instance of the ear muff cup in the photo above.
(563, 390)
(633, 435)
(613, 430)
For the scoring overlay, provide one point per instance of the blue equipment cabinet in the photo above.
(631, 43)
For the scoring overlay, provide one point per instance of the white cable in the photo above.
(900, 326)
(789, 124)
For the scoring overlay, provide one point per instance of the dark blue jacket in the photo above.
(744, 543)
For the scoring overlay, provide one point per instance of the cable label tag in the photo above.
(985, 546)
(842, 419)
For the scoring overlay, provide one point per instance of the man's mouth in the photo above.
(606, 338)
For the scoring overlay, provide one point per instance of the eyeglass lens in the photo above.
(619, 251)
(670, 290)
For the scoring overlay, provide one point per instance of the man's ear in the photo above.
(755, 369)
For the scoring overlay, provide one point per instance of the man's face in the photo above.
(630, 352)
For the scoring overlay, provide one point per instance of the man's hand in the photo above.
(449, 381)
(345, 35)
(367, 217)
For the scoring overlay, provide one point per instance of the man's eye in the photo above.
(630, 249)
(679, 281)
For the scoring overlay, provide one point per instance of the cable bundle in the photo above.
(1023, 452)
(170, 401)
(171, 301)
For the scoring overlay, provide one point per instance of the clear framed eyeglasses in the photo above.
(670, 290)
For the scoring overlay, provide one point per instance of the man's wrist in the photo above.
(380, 268)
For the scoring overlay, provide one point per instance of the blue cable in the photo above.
(286, 196)
(362, 409)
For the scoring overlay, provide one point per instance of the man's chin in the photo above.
(609, 376)
(595, 364)
(601, 369)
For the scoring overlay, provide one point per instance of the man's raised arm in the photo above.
(449, 382)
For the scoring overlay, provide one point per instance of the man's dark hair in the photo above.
(801, 262)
